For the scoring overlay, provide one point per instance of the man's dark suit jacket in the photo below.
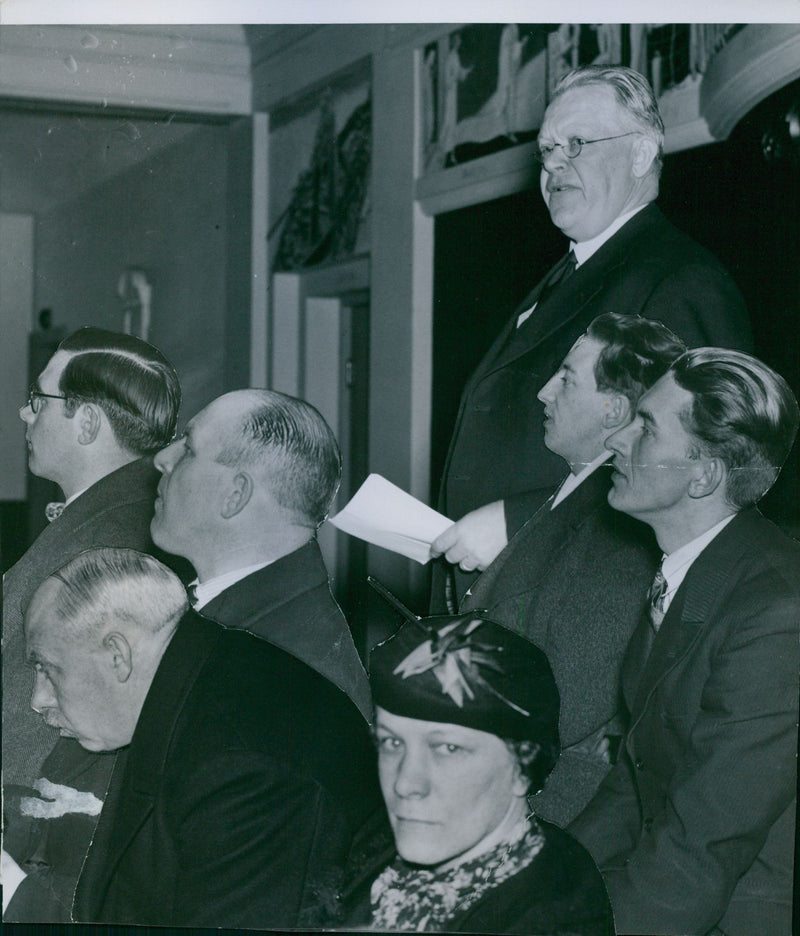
(573, 580)
(694, 827)
(115, 511)
(648, 268)
(51, 848)
(289, 603)
(236, 801)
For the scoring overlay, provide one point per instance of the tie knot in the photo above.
(192, 590)
(656, 598)
(563, 269)
(658, 590)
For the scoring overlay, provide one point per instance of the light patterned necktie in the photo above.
(54, 510)
(656, 598)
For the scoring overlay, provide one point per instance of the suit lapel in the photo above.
(569, 298)
(480, 594)
(133, 482)
(705, 583)
(560, 308)
(530, 555)
(139, 770)
(265, 590)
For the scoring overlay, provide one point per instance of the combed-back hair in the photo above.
(632, 92)
(290, 439)
(104, 585)
(636, 352)
(130, 380)
(743, 413)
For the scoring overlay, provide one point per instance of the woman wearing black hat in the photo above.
(467, 727)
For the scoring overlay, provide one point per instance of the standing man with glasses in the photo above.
(600, 149)
(102, 406)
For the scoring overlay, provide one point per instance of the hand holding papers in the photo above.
(383, 514)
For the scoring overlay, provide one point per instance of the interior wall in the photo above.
(167, 216)
(16, 307)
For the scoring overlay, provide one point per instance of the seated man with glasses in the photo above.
(97, 412)
(103, 404)
(600, 148)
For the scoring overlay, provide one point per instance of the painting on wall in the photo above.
(569, 46)
(485, 87)
(480, 84)
(328, 203)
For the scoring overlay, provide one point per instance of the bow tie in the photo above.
(54, 510)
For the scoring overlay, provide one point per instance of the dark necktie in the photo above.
(655, 599)
(561, 271)
(192, 590)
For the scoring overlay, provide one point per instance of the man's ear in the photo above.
(239, 493)
(645, 151)
(710, 473)
(618, 412)
(121, 654)
(88, 420)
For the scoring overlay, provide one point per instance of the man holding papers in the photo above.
(574, 577)
(385, 515)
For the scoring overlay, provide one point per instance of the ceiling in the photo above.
(49, 155)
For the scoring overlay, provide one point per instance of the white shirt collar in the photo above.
(586, 248)
(675, 566)
(205, 591)
(75, 496)
(572, 481)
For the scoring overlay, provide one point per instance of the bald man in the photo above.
(242, 494)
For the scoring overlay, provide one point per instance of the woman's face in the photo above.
(448, 789)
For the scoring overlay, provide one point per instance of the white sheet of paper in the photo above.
(12, 876)
(385, 515)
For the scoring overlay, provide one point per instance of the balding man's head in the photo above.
(250, 463)
(95, 632)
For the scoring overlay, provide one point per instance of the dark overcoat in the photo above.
(236, 802)
(290, 604)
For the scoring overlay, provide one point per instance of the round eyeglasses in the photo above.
(34, 398)
(572, 148)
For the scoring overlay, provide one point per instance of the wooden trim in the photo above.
(181, 68)
(480, 180)
(759, 60)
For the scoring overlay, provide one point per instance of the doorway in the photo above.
(320, 353)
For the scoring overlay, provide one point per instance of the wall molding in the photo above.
(191, 69)
(757, 61)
